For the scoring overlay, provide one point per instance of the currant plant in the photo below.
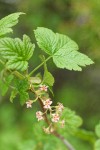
(14, 56)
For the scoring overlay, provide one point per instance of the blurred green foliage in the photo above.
(25, 133)
(80, 91)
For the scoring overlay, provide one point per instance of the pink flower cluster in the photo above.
(47, 104)
(43, 88)
(29, 104)
(60, 107)
(55, 112)
(55, 117)
(39, 115)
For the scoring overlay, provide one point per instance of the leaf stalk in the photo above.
(39, 66)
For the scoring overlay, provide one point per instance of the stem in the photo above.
(45, 116)
(41, 104)
(55, 133)
(65, 141)
(39, 66)
(16, 73)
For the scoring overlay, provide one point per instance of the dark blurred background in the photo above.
(80, 91)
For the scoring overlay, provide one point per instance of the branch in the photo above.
(55, 133)
(65, 141)
(45, 116)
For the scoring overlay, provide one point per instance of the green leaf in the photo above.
(3, 88)
(86, 135)
(97, 130)
(16, 52)
(62, 49)
(13, 95)
(97, 145)
(9, 79)
(48, 139)
(48, 77)
(24, 96)
(1, 67)
(4, 85)
(72, 121)
(7, 22)
(51, 90)
(35, 80)
(71, 60)
(22, 86)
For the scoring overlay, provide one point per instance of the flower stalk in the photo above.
(53, 131)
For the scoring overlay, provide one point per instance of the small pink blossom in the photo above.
(60, 107)
(55, 117)
(39, 115)
(62, 123)
(29, 104)
(47, 104)
(43, 88)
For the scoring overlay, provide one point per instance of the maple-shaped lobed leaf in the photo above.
(62, 49)
(7, 22)
(17, 52)
(72, 121)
